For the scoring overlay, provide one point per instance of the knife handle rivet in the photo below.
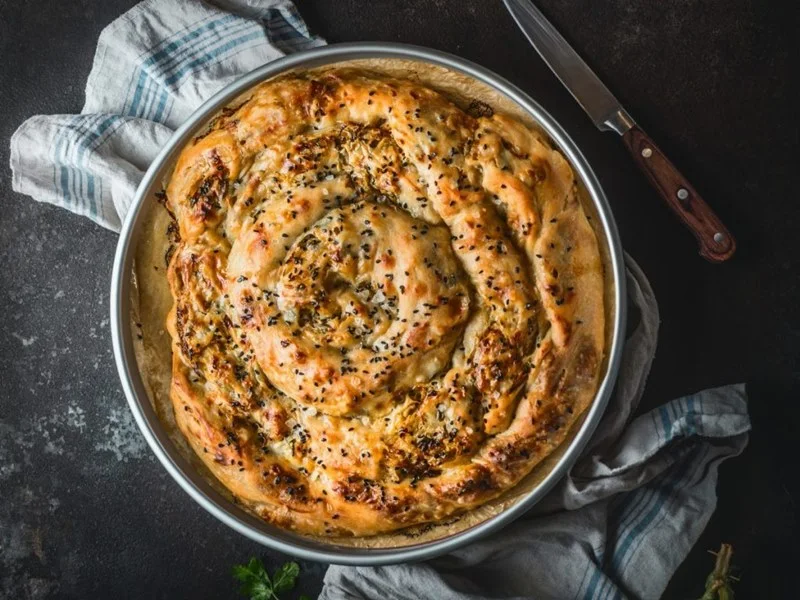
(647, 152)
(718, 237)
(683, 193)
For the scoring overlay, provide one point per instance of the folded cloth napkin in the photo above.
(630, 509)
(153, 67)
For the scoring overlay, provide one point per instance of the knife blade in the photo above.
(716, 242)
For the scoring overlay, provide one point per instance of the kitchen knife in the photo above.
(716, 242)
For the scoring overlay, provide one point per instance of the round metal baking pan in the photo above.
(122, 331)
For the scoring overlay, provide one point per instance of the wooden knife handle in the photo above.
(716, 242)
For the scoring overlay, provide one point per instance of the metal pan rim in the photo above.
(122, 335)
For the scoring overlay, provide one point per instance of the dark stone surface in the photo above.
(86, 511)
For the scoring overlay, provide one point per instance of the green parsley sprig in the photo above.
(256, 583)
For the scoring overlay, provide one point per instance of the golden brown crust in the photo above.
(386, 310)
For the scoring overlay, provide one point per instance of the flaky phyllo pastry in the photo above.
(387, 309)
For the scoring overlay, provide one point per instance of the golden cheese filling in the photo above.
(386, 310)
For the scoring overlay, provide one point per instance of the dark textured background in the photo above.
(86, 511)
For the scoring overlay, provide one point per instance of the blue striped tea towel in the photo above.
(153, 66)
(632, 507)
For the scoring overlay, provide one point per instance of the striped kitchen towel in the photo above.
(629, 511)
(153, 66)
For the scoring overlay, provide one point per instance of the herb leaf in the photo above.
(255, 581)
(285, 577)
(252, 570)
(261, 590)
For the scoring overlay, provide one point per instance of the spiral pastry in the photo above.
(386, 310)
